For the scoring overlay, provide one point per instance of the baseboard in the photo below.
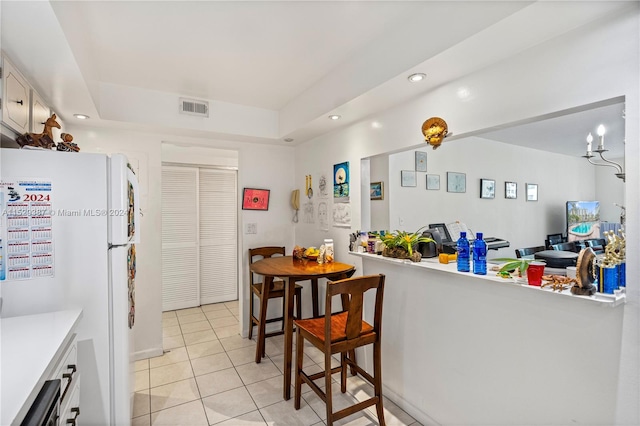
(415, 412)
(149, 353)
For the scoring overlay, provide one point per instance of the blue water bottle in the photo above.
(463, 253)
(479, 255)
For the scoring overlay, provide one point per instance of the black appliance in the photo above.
(45, 410)
(450, 247)
(431, 249)
(445, 243)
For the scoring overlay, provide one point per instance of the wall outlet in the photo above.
(252, 228)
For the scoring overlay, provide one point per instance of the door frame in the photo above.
(239, 259)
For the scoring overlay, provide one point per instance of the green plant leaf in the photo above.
(510, 266)
(511, 263)
(405, 239)
(523, 268)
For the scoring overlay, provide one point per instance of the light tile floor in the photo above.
(208, 376)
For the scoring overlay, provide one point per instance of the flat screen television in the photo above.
(583, 220)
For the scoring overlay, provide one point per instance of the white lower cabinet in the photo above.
(67, 371)
(36, 349)
(70, 412)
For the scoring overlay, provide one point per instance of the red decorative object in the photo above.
(255, 199)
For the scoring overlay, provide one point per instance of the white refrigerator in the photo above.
(81, 254)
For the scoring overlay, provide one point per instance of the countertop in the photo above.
(30, 346)
(611, 300)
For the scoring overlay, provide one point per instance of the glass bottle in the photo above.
(328, 250)
(462, 247)
(479, 255)
(364, 241)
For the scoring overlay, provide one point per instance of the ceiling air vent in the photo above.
(194, 107)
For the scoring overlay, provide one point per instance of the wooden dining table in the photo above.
(292, 270)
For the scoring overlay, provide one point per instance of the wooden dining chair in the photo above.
(341, 333)
(276, 290)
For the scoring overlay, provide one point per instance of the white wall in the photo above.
(379, 172)
(609, 190)
(199, 156)
(575, 69)
(258, 166)
(476, 362)
(138, 105)
(522, 223)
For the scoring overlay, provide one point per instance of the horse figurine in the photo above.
(42, 140)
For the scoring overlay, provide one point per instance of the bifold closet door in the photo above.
(180, 238)
(218, 236)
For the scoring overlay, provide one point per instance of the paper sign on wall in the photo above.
(26, 229)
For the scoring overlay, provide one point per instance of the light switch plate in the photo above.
(252, 228)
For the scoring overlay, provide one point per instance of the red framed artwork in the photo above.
(255, 199)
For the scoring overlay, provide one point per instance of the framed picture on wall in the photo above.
(341, 182)
(487, 188)
(255, 199)
(532, 191)
(376, 191)
(408, 178)
(456, 182)
(421, 161)
(433, 182)
(510, 190)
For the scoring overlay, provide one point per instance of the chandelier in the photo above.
(600, 149)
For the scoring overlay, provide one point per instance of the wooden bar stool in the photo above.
(275, 289)
(341, 333)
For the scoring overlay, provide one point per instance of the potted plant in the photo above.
(402, 244)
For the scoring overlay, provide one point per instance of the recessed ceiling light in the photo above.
(334, 117)
(81, 116)
(288, 139)
(463, 92)
(414, 78)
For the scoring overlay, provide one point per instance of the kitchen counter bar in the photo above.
(459, 348)
(610, 300)
(30, 347)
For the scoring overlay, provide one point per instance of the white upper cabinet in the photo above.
(39, 113)
(15, 99)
